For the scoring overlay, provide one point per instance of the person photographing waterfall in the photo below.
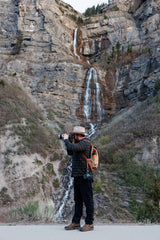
(83, 179)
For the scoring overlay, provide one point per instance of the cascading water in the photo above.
(75, 43)
(92, 98)
(92, 130)
(67, 182)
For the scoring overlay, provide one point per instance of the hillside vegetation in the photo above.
(135, 183)
(25, 120)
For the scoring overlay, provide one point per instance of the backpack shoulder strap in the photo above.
(88, 160)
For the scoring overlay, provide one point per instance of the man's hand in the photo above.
(65, 136)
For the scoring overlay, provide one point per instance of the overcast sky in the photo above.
(82, 5)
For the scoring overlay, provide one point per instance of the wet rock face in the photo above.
(131, 34)
(37, 48)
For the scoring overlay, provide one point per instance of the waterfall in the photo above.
(92, 98)
(75, 43)
(67, 181)
(92, 130)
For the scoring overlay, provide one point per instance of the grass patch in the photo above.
(156, 87)
(32, 211)
(98, 186)
(104, 140)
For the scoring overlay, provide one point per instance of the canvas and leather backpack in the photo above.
(93, 162)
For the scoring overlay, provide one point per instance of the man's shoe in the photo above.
(72, 226)
(87, 227)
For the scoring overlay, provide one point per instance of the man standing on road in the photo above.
(83, 192)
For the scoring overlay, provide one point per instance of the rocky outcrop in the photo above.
(150, 154)
(117, 35)
(39, 54)
(36, 52)
(121, 40)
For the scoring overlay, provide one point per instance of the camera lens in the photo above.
(60, 136)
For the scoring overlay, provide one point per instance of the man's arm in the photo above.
(76, 147)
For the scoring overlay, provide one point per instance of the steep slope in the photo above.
(28, 149)
(130, 156)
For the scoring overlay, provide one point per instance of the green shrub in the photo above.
(48, 168)
(153, 190)
(2, 83)
(129, 49)
(32, 211)
(98, 187)
(150, 209)
(118, 45)
(104, 140)
(28, 212)
(156, 87)
(148, 212)
(5, 199)
(135, 174)
(73, 17)
(146, 31)
(61, 10)
(56, 183)
(79, 20)
(37, 161)
(17, 47)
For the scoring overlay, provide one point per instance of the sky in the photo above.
(82, 5)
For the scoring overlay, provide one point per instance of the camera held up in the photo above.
(60, 136)
(70, 137)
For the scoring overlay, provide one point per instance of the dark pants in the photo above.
(83, 193)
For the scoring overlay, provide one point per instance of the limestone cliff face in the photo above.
(122, 44)
(37, 48)
(126, 42)
(36, 52)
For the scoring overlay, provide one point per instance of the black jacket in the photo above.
(79, 165)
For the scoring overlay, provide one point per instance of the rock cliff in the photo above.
(127, 44)
(37, 55)
(122, 44)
